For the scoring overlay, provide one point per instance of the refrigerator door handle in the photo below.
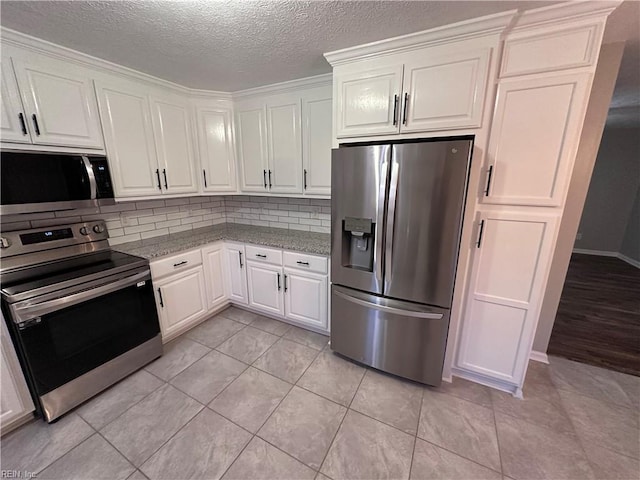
(382, 192)
(391, 215)
(387, 309)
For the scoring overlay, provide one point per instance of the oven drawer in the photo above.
(175, 263)
(303, 261)
(263, 254)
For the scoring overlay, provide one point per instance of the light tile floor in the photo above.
(246, 397)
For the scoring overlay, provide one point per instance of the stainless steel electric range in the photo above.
(82, 316)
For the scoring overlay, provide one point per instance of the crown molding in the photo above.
(561, 12)
(286, 87)
(467, 29)
(58, 52)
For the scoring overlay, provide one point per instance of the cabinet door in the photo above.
(444, 92)
(305, 298)
(265, 287)
(213, 260)
(367, 103)
(181, 301)
(316, 142)
(215, 140)
(284, 140)
(126, 120)
(252, 148)
(13, 121)
(60, 105)
(508, 279)
(174, 144)
(236, 273)
(533, 139)
(15, 399)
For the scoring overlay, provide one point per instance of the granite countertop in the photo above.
(306, 242)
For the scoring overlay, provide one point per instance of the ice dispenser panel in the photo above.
(358, 243)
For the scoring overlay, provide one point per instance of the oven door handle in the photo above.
(28, 310)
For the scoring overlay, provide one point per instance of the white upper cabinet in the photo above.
(252, 147)
(59, 104)
(284, 172)
(13, 122)
(444, 91)
(316, 141)
(126, 120)
(174, 144)
(508, 279)
(367, 102)
(217, 156)
(532, 146)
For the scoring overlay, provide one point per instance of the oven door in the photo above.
(64, 335)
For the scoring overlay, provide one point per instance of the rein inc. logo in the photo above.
(17, 474)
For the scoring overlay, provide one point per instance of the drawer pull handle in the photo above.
(260, 255)
(179, 264)
(306, 264)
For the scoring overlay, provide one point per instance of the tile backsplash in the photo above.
(130, 221)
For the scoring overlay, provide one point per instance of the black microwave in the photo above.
(44, 182)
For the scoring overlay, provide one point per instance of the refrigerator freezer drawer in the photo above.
(402, 338)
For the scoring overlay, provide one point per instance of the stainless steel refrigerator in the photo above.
(396, 219)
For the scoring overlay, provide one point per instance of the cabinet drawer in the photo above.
(175, 263)
(303, 261)
(266, 255)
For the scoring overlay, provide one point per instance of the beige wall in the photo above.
(596, 116)
(612, 191)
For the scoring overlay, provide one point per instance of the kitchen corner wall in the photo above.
(130, 221)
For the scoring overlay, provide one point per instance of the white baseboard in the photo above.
(605, 253)
(539, 357)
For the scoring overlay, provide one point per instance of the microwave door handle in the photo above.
(391, 216)
(31, 310)
(379, 234)
(92, 178)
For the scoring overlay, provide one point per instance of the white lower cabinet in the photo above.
(265, 287)
(305, 298)
(236, 273)
(213, 258)
(508, 280)
(15, 400)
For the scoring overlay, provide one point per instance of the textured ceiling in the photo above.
(236, 44)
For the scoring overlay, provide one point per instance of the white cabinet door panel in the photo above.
(174, 144)
(63, 103)
(316, 143)
(126, 120)
(285, 149)
(181, 300)
(252, 149)
(534, 137)
(13, 121)
(236, 273)
(367, 103)
(305, 298)
(265, 287)
(508, 279)
(445, 92)
(216, 150)
(213, 259)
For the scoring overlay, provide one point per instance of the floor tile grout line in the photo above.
(495, 429)
(415, 438)
(335, 435)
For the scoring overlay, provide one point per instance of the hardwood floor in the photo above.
(598, 320)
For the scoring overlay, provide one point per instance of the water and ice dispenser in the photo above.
(358, 243)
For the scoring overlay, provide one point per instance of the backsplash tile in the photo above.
(136, 220)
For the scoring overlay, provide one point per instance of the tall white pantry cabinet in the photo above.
(521, 86)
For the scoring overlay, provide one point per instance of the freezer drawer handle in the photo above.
(384, 308)
(306, 264)
(179, 264)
